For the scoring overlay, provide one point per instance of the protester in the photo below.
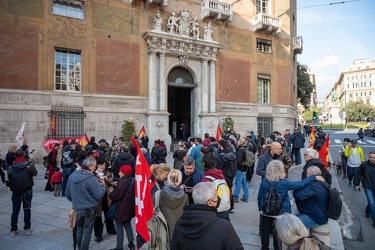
(160, 173)
(275, 175)
(104, 203)
(312, 201)
(355, 158)
(125, 193)
(191, 176)
(366, 175)
(344, 159)
(21, 191)
(56, 181)
(158, 152)
(84, 191)
(200, 228)
(172, 200)
(311, 157)
(294, 234)
(67, 167)
(52, 164)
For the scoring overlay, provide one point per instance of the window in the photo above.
(69, 8)
(264, 88)
(67, 70)
(361, 84)
(348, 85)
(264, 45)
(350, 95)
(356, 84)
(353, 85)
(361, 93)
(370, 83)
(265, 125)
(369, 93)
(356, 94)
(68, 122)
(263, 6)
(364, 84)
(365, 94)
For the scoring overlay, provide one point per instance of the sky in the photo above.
(334, 36)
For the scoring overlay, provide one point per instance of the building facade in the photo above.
(88, 65)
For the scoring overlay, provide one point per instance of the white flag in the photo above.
(21, 135)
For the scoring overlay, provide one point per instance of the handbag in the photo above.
(72, 218)
(112, 209)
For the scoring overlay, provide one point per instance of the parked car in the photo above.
(370, 131)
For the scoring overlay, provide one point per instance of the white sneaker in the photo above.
(28, 231)
(13, 233)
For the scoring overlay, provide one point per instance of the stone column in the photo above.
(212, 87)
(152, 91)
(162, 92)
(205, 89)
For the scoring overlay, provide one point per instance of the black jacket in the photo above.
(200, 228)
(318, 163)
(366, 174)
(122, 159)
(225, 156)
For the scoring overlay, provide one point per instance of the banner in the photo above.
(218, 132)
(81, 140)
(21, 135)
(142, 131)
(324, 152)
(53, 124)
(144, 209)
(312, 137)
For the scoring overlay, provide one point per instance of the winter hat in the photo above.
(126, 169)
(102, 140)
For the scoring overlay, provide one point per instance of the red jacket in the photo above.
(206, 142)
(56, 178)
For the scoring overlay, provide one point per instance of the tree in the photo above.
(358, 111)
(304, 85)
(308, 114)
(228, 123)
(128, 130)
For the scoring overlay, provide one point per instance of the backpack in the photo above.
(18, 176)
(273, 203)
(158, 228)
(66, 160)
(223, 192)
(89, 148)
(232, 169)
(250, 159)
(334, 203)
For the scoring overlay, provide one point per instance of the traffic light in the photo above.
(315, 115)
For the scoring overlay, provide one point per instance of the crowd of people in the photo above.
(197, 194)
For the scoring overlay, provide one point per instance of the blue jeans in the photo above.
(240, 181)
(309, 223)
(16, 201)
(85, 224)
(370, 194)
(66, 173)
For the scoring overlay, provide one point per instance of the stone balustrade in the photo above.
(267, 23)
(297, 44)
(216, 9)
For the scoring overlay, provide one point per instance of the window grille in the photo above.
(68, 122)
(265, 125)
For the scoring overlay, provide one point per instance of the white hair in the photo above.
(312, 153)
(203, 192)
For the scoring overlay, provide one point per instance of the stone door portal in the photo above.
(180, 91)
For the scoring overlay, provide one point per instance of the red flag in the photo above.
(324, 152)
(144, 209)
(142, 131)
(312, 137)
(218, 132)
(53, 124)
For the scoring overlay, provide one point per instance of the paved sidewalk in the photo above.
(50, 230)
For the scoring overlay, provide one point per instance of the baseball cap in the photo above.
(354, 141)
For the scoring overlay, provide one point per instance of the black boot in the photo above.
(131, 245)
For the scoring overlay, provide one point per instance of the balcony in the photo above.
(216, 9)
(267, 23)
(297, 45)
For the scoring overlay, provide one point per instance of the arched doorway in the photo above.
(180, 90)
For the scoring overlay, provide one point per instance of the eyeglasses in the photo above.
(213, 200)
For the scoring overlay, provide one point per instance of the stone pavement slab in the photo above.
(50, 230)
